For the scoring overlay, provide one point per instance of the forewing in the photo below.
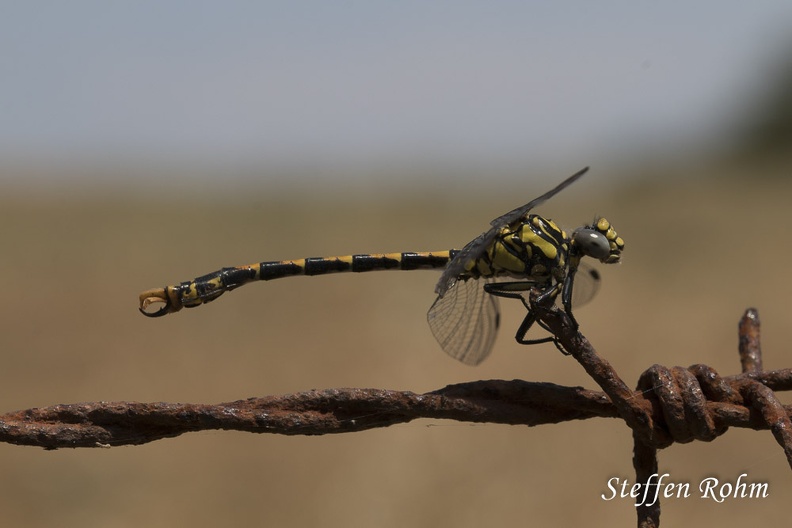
(516, 214)
(465, 321)
(479, 245)
(456, 267)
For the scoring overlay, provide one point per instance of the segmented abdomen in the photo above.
(209, 287)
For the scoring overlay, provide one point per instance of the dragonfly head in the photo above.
(598, 241)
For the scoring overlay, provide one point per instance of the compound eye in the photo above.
(592, 243)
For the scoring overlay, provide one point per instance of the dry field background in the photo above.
(700, 248)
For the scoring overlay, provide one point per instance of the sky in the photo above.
(228, 85)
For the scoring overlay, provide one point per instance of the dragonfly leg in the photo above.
(516, 290)
(510, 290)
(566, 295)
(529, 320)
(526, 325)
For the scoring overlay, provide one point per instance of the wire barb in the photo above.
(684, 404)
(750, 349)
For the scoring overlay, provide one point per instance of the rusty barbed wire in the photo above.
(676, 404)
(332, 411)
(669, 405)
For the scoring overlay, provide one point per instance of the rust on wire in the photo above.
(645, 464)
(333, 411)
(314, 412)
(684, 404)
(750, 349)
(669, 405)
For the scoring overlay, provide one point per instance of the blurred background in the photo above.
(146, 143)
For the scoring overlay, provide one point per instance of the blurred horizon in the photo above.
(298, 94)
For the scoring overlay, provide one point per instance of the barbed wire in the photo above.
(669, 405)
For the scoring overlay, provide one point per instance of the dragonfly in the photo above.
(519, 252)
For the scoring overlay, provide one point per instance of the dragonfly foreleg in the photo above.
(566, 296)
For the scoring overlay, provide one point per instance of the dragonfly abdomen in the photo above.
(353, 263)
(209, 287)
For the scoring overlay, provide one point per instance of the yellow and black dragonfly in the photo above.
(519, 252)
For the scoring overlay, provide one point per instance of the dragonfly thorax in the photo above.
(534, 248)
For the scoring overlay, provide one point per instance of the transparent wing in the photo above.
(465, 321)
(478, 245)
(587, 281)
